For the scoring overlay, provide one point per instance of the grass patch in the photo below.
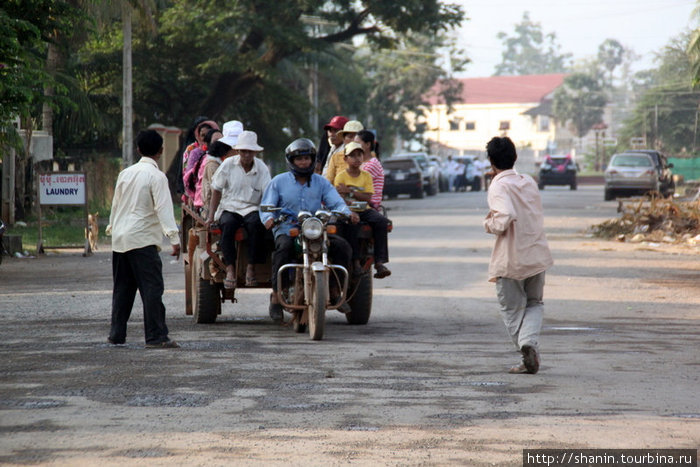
(64, 226)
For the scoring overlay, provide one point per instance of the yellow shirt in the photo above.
(336, 164)
(363, 181)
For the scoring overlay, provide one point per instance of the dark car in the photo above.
(402, 175)
(558, 170)
(431, 172)
(666, 184)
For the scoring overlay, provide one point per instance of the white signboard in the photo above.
(62, 188)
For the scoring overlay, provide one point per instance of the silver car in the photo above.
(630, 173)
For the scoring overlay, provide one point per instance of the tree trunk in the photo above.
(47, 110)
(127, 106)
(228, 88)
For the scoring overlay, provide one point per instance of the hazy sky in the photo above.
(580, 26)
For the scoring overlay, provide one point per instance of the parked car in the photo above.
(667, 185)
(431, 176)
(558, 170)
(630, 173)
(402, 175)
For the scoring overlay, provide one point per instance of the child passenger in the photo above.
(356, 184)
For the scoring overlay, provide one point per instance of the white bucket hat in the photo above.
(231, 132)
(248, 140)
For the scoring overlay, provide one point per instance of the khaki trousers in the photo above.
(522, 308)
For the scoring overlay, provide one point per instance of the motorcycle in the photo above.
(308, 295)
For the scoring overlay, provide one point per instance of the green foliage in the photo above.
(531, 52)
(580, 102)
(610, 55)
(666, 113)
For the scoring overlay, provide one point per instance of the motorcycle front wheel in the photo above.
(317, 307)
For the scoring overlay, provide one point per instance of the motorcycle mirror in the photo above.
(269, 208)
(303, 215)
(358, 206)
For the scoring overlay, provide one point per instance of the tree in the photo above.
(579, 101)
(28, 27)
(255, 36)
(610, 54)
(666, 114)
(251, 61)
(530, 52)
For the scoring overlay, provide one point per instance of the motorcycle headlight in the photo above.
(312, 228)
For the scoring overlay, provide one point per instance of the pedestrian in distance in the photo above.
(520, 255)
(142, 211)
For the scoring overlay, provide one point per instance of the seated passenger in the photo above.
(336, 161)
(237, 189)
(301, 189)
(216, 154)
(356, 184)
(371, 164)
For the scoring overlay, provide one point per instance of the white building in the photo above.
(519, 107)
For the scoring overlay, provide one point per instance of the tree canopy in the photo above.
(666, 113)
(580, 102)
(529, 51)
(252, 61)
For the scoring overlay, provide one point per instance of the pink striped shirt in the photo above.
(375, 169)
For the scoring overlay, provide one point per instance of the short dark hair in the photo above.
(501, 152)
(210, 133)
(218, 149)
(149, 143)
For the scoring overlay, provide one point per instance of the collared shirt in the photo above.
(285, 192)
(241, 191)
(336, 164)
(516, 218)
(142, 210)
(333, 149)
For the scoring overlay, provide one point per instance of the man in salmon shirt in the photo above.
(521, 254)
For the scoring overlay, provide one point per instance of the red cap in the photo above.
(337, 123)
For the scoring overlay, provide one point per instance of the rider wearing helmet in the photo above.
(301, 189)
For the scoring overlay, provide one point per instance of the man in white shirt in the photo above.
(520, 255)
(142, 211)
(237, 188)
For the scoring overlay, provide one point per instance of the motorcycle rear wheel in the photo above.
(317, 307)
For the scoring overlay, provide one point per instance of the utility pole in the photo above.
(127, 107)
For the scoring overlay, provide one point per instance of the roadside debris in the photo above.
(655, 220)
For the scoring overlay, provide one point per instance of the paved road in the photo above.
(424, 382)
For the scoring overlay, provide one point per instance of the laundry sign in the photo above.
(62, 188)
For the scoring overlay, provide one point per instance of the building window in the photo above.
(544, 122)
(470, 126)
(504, 125)
(454, 124)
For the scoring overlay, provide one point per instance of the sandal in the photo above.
(229, 283)
(251, 281)
(382, 271)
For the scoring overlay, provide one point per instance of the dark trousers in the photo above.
(230, 222)
(140, 269)
(339, 252)
(379, 226)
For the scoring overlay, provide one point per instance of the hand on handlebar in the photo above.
(269, 224)
(354, 217)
